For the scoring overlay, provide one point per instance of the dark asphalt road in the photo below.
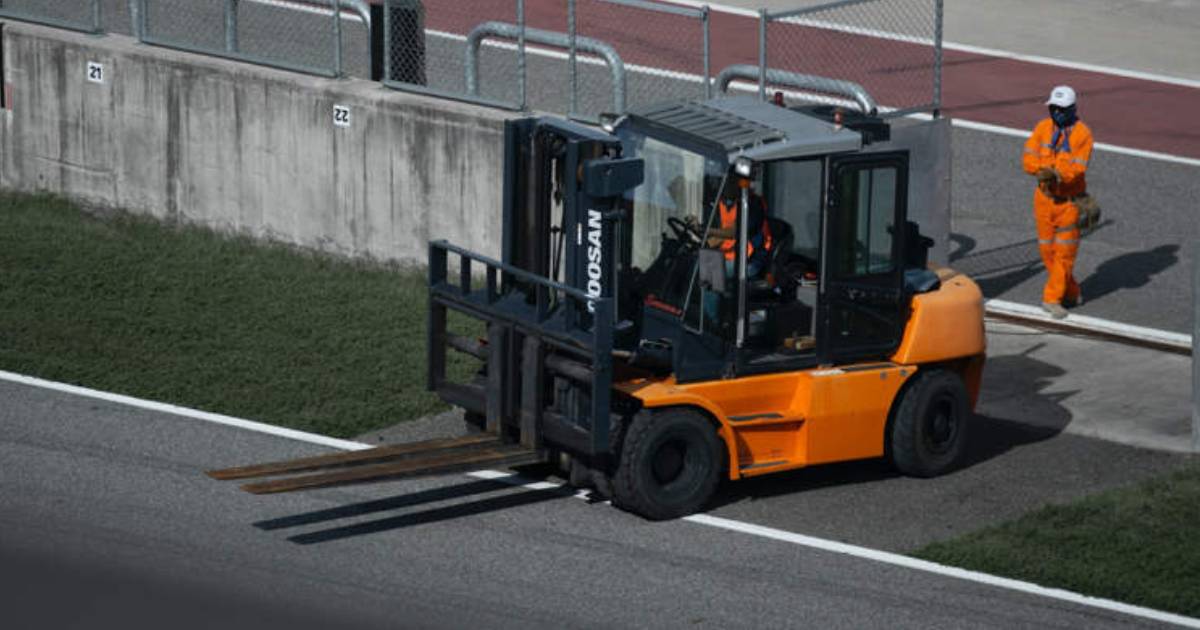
(108, 521)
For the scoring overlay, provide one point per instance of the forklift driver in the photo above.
(724, 237)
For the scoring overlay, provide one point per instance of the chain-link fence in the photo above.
(891, 48)
(77, 15)
(579, 57)
(446, 49)
(664, 48)
(304, 36)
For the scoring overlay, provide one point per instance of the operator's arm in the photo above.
(1071, 166)
(1032, 159)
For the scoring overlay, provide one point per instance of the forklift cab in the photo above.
(829, 288)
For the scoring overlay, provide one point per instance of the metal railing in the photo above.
(75, 15)
(581, 60)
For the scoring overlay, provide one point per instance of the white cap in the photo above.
(1062, 96)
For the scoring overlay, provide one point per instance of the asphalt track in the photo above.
(108, 521)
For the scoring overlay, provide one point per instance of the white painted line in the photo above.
(1099, 146)
(1087, 324)
(183, 411)
(702, 519)
(941, 569)
(968, 48)
(875, 555)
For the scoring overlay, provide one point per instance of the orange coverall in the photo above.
(1054, 210)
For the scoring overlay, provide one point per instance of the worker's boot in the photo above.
(1054, 309)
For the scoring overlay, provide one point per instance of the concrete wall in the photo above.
(236, 146)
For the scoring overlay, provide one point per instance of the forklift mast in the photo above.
(553, 164)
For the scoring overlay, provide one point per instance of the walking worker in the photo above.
(1057, 154)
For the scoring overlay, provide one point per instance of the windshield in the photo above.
(678, 183)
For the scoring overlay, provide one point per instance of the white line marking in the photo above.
(702, 519)
(940, 569)
(875, 555)
(1085, 323)
(195, 414)
(1099, 146)
(968, 48)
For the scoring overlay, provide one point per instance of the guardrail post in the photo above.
(336, 5)
(705, 24)
(137, 15)
(937, 59)
(231, 26)
(521, 70)
(762, 54)
(1196, 346)
(387, 40)
(571, 71)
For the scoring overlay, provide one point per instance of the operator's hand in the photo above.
(1046, 175)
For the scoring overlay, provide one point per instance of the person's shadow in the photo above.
(1129, 271)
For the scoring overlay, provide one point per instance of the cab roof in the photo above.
(745, 126)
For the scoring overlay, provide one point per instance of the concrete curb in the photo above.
(1090, 326)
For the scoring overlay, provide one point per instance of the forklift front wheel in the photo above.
(669, 466)
(929, 431)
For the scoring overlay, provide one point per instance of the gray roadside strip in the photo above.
(751, 529)
(1177, 343)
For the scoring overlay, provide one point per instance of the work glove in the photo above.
(1046, 175)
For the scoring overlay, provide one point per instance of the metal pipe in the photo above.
(762, 55)
(816, 83)
(337, 37)
(137, 25)
(522, 78)
(572, 70)
(937, 59)
(97, 24)
(231, 26)
(707, 26)
(387, 40)
(547, 38)
(743, 226)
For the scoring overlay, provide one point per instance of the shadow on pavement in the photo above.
(435, 515)
(1129, 271)
(1001, 269)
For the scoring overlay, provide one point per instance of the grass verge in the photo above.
(1135, 544)
(220, 323)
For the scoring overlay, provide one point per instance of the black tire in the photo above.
(929, 431)
(669, 464)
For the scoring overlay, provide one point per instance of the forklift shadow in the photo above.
(1016, 412)
(410, 519)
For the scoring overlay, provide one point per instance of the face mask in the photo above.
(1063, 117)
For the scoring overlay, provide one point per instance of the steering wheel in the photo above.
(685, 231)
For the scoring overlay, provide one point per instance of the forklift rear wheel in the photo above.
(669, 465)
(929, 432)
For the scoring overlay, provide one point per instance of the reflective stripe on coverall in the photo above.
(1067, 152)
(729, 222)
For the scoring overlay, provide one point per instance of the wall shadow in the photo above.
(1129, 271)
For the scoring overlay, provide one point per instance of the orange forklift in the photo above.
(726, 288)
